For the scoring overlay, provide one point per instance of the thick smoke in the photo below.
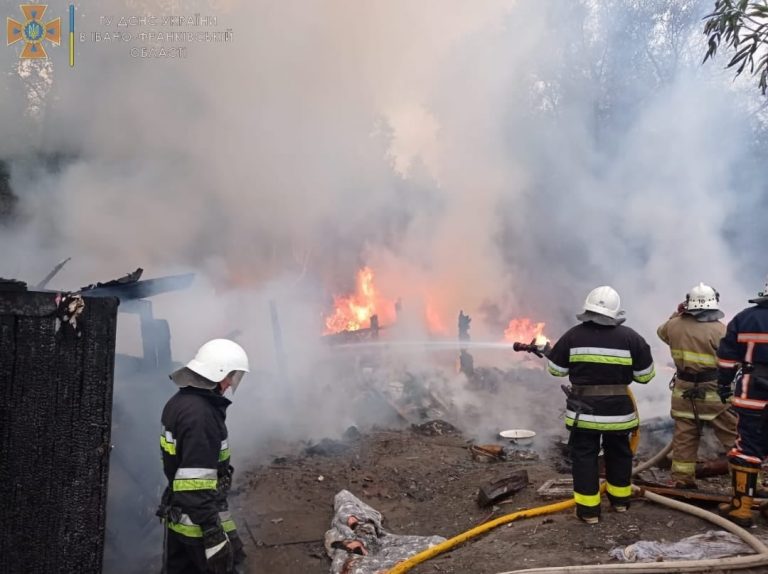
(502, 158)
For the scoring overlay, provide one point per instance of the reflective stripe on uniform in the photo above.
(736, 453)
(167, 442)
(618, 491)
(195, 479)
(709, 396)
(752, 337)
(681, 467)
(169, 447)
(600, 351)
(644, 375)
(186, 527)
(224, 452)
(587, 499)
(214, 549)
(707, 359)
(600, 355)
(727, 363)
(678, 414)
(556, 370)
(710, 406)
(748, 403)
(597, 422)
(196, 473)
(194, 484)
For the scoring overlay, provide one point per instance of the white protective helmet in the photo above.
(604, 300)
(702, 297)
(213, 362)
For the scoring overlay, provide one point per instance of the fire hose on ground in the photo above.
(708, 565)
(451, 543)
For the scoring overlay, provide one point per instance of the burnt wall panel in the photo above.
(55, 418)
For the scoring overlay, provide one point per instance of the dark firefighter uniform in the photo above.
(695, 401)
(196, 464)
(743, 359)
(601, 361)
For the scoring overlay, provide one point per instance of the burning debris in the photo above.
(524, 330)
(355, 311)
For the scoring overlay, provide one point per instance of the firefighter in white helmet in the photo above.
(200, 535)
(693, 333)
(601, 357)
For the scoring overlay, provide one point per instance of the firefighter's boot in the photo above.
(739, 510)
(683, 474)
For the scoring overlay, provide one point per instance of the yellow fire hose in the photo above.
(477, 530)
(425, 555)
(714, 565)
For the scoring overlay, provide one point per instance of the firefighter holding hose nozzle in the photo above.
(601, 357)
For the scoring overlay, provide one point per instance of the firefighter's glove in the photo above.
(543, 349)
(218, 551)
(724, 391)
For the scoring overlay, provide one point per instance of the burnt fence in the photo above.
(56, 366)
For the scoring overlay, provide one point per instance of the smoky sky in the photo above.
(499, 157)
(506, 156)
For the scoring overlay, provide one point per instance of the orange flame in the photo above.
(354, 312)
(435, 324)
(524, 330)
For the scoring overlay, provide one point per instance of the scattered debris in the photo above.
(327, 447)
(435, 428)
(502, 488)
(522, 455)
(556, 488)
(488, 452)
(497, 453)
(357, 543)
(352, 433)
(428, 485)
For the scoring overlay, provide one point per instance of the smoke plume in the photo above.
(501, 157)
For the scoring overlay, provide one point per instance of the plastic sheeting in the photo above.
(711, 544)
(357, 544)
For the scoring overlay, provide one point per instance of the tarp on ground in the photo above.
(357, 544)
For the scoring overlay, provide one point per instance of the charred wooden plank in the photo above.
(502, 488)
(55, 408)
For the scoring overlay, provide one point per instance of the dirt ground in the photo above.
(428, 485)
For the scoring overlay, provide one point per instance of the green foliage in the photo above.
(741, 26)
